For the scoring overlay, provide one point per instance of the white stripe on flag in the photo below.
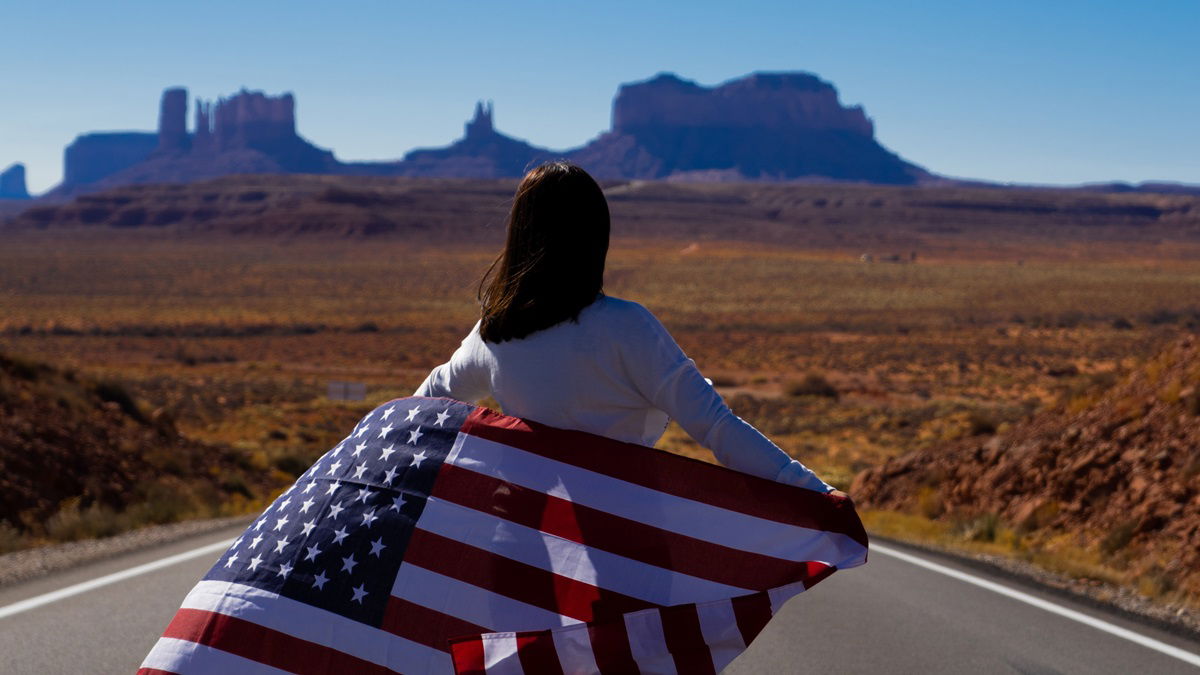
(782, 594)
(719, 626)
(568, 558)
(500, 655)
(168, 653)
(471, 603)
(316, 625)
(659, 509)
(574, 647)
(647, 642)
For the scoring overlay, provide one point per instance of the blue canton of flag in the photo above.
(335, 539)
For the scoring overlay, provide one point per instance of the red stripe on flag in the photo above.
(468, 657)
(155, 671)
(817, 572)
(258, 643)
(659, 470)
(517, 580)
(752, 612)
(537, 653)
(610, 648)
(424, 625)
(685, 640)
(608, 532)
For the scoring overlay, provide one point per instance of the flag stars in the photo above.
(361, 430)
(389, 475)
(256, 541)
(333, 468)
(418, 458)
(360, 470)
(310, 486)
(386, 452)
(284, 570)
(358, 449)
(385, 431)
(280, 523)
(412, 414)
(319, 581)
(280, 544)
(254, 563)
(232, 558)
(414, 436)
(348, 563)
(442, 417)
(285, 503)
(377, 547)
(308, 527)
(307, 504)
(363, 494)
(333, 487)
(339, 535)
(335, 510)
(313, 552)
(388, 413)
(397, 503)
(359, 593)
(369, 517)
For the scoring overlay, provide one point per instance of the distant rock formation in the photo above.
(766, 126)
(12, 183)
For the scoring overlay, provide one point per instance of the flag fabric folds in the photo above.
(441, 537)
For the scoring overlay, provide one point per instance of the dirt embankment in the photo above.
(1117, 470)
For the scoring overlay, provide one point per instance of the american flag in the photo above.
(442, 537)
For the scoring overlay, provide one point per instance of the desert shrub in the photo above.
(929, 503)
(1118, 537)
(72, 522)
(982, 528)
(114, 393)
(813, 384)
(11, 539)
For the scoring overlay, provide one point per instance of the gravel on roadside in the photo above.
(37, 562)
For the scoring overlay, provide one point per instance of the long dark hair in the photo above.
(552, 265)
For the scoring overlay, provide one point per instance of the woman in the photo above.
(550, 346)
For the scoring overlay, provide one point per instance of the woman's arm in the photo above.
(464, 377)
(671, 382)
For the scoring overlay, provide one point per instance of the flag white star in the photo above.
(388, 413)
(362, 495)
(412, 413)
(359, 593)
(442, 417)
(377, 547)
(337, 449)
(414, 435)
(418, 458)
(279, 544)
(335, 510)
(360, 470)
(333, 468)
(229, 563)
(313, 552)
(258, 524)
(254, 563)
(285, 503)
(369, 517)
(358, 448)
(280, 523)
(386, 452)
(339, 535)
(385, 431)
(397, 503)
(255, 542)
(284, 570)
(308, 527)
(235, 543)
(349, 563)
(306, 505)
(319, 581)
(333, 487)
(361, 430)
(310, 486)
(389, 475)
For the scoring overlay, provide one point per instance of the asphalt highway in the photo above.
(891, 616)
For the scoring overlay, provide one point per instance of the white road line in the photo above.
(85, 586)
(1112, 629)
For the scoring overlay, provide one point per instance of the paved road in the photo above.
(888, 617)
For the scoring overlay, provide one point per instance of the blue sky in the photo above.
(1039, 92)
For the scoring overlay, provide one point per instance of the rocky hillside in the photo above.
(80, 458)
(1116, 469)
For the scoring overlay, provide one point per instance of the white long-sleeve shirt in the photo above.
(618, 373)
